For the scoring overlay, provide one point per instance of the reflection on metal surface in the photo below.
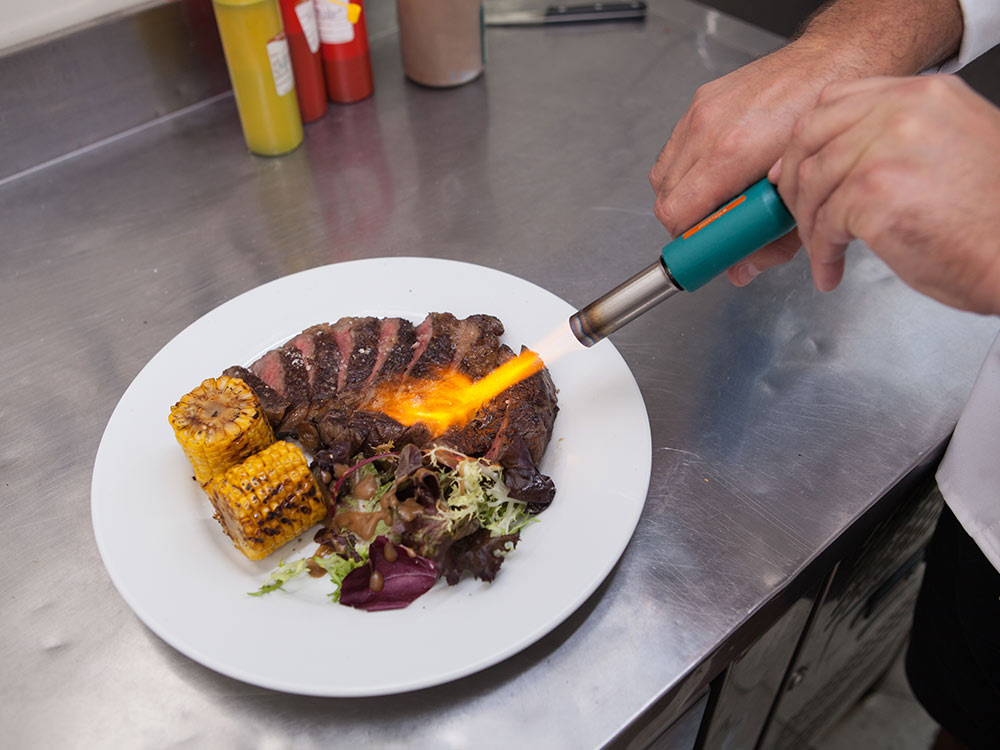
(860, 625)
(750, 685)
(66, 96)
(683, 732)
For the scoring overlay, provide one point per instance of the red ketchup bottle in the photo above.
(344, 47)
(299, 19)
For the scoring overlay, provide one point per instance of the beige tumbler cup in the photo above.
(441, 41)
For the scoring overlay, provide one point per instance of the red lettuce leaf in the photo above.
(403, 580)
(523, 479)
(479, 554)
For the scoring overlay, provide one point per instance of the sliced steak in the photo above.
(400, 354)
(271, 370)
(326, 361)
(312, 387)
(529, 410)
(343, 334)
(440, 350)
(305, 345)
(273, 403)
(296, 375)
(424, 332)
(363, 353)
(388, 328)
(479, 350)
(284, 370)
(478, 435)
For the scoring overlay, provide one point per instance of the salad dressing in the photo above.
(409, 510)
(365, 488)
(361, 524)
(315, 569)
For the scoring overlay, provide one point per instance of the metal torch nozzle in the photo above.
(623, 304)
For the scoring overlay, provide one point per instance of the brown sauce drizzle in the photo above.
(315, 569)
(336, 545)
(365, 489)
(362, 524)
(409, 510)
(376, 581)
(390, 552)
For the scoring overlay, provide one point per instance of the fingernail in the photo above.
(747, 273)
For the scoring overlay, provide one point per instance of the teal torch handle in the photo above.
(728, 235)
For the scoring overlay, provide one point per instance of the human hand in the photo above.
(733, 131)
(738, 125)
(911, 166)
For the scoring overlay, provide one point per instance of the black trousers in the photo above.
(953, 660)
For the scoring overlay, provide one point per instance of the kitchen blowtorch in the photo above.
(733, 231)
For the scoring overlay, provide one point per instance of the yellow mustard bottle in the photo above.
(260, 69)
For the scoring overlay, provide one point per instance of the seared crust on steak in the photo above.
(404, 345)
(440, 349)
(275, 405)
(313, 387)
(364, 352)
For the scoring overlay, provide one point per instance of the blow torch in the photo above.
(726, 236)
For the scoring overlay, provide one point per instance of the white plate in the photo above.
(186, 581)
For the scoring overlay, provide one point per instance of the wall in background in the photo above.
(22, 22)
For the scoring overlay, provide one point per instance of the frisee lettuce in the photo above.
(473, 494)
(478, 489)
(336, 566)
(281, 576)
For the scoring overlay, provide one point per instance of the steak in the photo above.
(326, 361)
(404, 345)
(364, 352)
(314, 387)
(275, 405)
(440, 349)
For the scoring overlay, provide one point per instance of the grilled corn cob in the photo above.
(218, 424)
(266, 500)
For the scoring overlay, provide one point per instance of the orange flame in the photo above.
(452, 399)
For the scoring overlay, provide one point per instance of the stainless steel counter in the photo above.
(779, 415)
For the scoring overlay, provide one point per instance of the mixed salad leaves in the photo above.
(399, 520)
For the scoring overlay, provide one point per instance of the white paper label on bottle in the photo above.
(307, 19)
(281, 64)
(334, 26)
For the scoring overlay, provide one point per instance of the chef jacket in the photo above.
(982, 31)
(969, 475)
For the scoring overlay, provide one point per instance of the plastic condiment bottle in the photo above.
(260, 69)
(344, 47)
(299, 17)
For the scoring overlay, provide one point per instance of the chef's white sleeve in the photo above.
(969, 475)
(981, 33)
